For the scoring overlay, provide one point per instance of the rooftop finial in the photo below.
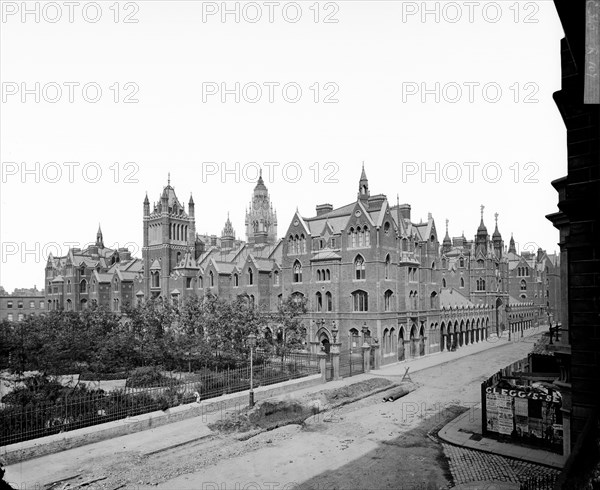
(482, 208)
(169, 179)
(496, 217)
(447, 221)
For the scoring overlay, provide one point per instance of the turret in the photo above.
(497, 239)
(99, 240)
(447, 243)
(363, 186)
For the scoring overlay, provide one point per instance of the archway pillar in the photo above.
(375, 347)
(323, 366)
(366, 352)
(335, 360)
(315, 347)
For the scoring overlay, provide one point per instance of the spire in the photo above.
(511, 246)
(99, 240)
(496, 236)
(482, 230)
(260, 184)
(146, 201)
(191, 202)
(447, 237)
(363, 185)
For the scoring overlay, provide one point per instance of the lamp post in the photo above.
(251, 343)
(508, 321)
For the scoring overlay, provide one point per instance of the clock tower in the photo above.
(261, 219)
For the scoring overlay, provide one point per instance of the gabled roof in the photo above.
(450, 297)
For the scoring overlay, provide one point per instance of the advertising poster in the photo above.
(505, 414)
(491, 412)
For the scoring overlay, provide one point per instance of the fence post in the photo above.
(366, 351)
(375, 347)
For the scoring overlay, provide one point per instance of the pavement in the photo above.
(64, 464)
(465, 431)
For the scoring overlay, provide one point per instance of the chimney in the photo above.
(124, 254)
(405, 211)
(324, 209)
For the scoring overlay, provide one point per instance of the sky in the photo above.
(448, 104)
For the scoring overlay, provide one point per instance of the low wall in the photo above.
(42, 446)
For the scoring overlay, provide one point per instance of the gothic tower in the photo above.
(261, 219)
(168, 233)
(227, 235)
(363, 187)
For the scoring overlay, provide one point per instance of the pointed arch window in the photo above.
(83, 286)
(318, 274)
(250, 276)
(461, 262)
(236, 280)
(359, 268)
(360, 300)
(319, 303)
(462, 282)
(329, 301)
(68, 286)
(387, 300)
(443, 282)
(276, 278)
(387, 266)
(297, 272)
(211, 279)
(480, 284)
(367, 237)
(328, 275)
(352, 238)
(523, 285)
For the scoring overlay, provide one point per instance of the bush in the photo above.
(148, 377)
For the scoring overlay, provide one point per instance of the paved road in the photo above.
(352, 451)
(368, 444)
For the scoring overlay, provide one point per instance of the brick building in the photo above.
(366, 269)
(22, 303)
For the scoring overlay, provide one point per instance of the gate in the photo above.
(351, 363)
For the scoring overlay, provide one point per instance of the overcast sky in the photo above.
(448, 113)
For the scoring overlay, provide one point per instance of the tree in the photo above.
(291, 332)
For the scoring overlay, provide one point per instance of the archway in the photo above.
(462, 333)
(467, 333)
(325, 343)
(455, 336)
(413, 341)
(401, 351)
(422, 341)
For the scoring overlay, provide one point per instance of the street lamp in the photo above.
(251, 344)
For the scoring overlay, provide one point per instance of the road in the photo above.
(368, 444)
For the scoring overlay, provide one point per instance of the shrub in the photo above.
(148, 377)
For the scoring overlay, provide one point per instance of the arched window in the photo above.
(443, 282)
(297, 276)
(303, 244)
(83, 286)
(155, 279)
(319, 303)
(329, 301)
(386, 228)
(69, 305)
(480, 284)
(68, 286)
(359, 268)
(480, 264)
(352, 238)
(276, 278)
(367, 235)
(387, 300)
(290, 245)
(318, 274)
(296, 244)
(462, 282)
(462, 262)
(236, 280)
(387, 267)
(250, 276)
(523, 285)
(116, 285)
(211, 279)
(360, 301)
(433, 300)
(328, 275)
(200, 282)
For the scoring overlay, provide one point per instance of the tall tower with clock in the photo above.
(261, 219)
